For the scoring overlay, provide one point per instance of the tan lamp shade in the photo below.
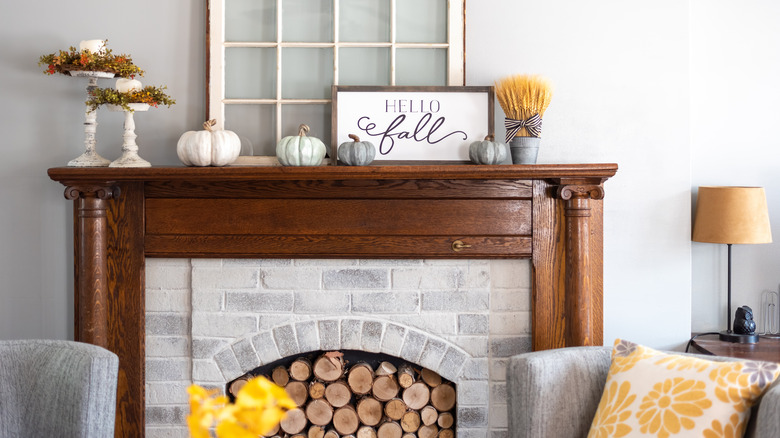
(732, 215)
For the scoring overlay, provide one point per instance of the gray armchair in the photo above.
(555, 394)
(57, 389)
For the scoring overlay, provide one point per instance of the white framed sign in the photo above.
(413, 124)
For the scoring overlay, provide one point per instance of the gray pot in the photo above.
(524, 149)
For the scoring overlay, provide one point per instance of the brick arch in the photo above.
(370, 335)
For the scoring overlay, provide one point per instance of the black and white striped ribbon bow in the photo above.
(533, 124)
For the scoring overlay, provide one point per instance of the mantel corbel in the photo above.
(102, 192)
(567, 192)
(569, 188)
(91, 275)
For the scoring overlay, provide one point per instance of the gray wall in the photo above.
(636, 84)
(42, 118)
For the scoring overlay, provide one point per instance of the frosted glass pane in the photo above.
(307, 20)
(317, 117)
(250, 73)
(364, 21)
(307, 73)
(421, 21)
(421, 67)
(255, 125)
(364, 66)
(250, 20)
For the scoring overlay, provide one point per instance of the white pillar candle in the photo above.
(125, 85)
(94, 46)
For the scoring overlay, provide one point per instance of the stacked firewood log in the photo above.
(336, 399)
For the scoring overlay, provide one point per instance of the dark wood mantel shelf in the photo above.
(551, 214)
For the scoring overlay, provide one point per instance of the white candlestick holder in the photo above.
(130, 157)
(90, 157)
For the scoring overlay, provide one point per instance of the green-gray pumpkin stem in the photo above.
(354, 138)
(303, 130)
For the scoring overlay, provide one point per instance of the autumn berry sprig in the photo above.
(150, 94)
(102, 60)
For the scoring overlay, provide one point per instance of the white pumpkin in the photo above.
(208, 148)
(127, 85)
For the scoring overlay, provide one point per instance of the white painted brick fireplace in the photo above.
(209, 321)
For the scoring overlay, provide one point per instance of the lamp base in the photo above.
(741, 339)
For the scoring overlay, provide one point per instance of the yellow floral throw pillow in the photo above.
(654, 394)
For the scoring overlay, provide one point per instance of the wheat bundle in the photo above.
(524, 99)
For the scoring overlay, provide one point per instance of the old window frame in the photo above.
(217, 44)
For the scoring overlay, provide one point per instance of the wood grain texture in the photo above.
(352, 188)
(91, 277)
(578, 290)
(126, 312)
(584, 321)
(323, 246)
(766, 349)
(93, 273)
(76, 274)
(596, 249)
(333, 173)
(331, 212)
(548, 299)
(345, 217)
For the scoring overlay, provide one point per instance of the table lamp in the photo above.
(732, 215)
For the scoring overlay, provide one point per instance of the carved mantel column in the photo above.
(578, 288)
(90, 239)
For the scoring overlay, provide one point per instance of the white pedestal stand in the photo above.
(130, 156)
(90, 157)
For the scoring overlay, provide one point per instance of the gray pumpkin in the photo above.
(356, 152)
(487, 151)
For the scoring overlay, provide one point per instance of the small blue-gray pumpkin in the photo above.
(487, 151)
(356, 152)
(300, 150)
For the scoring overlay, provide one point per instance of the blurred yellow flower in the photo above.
(260, 405)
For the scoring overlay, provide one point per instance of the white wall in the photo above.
(622, 72)
(735, 70)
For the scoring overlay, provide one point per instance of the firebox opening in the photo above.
(348, 392)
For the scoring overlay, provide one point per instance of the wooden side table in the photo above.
(767, 349)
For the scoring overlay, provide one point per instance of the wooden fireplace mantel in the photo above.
(551, 214)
